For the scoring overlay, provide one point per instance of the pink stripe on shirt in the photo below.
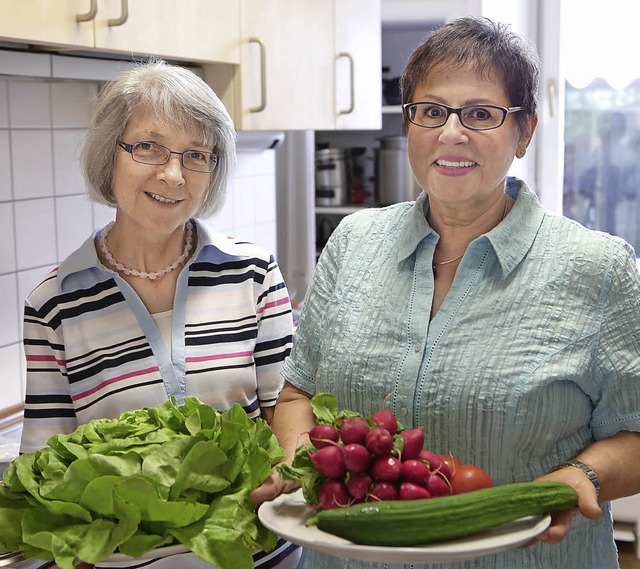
(284, 300)
(219, 356)
(48, 358)
(114, 380)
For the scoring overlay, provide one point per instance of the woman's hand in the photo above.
(587, 503)
(290, 422)
(271, 488)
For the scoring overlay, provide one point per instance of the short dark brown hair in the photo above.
(489, 47)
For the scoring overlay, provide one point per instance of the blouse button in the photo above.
(417, 347)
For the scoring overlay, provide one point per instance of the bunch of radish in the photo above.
(379, 461)
(351, 459)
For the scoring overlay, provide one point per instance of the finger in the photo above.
(559, 527)
(268, 490)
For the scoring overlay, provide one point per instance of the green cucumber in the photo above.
(418, 522)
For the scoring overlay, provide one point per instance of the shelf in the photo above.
(341, 209)
(392, 110)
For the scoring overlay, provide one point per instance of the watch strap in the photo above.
(589, 472)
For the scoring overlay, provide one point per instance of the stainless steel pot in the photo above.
(395, 181)
(332, 180)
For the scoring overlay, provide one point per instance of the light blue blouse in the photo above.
(534, 354)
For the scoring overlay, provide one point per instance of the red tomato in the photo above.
(451, 462)
(470, 477)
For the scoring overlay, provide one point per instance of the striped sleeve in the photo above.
(48, 406)
(275, 334)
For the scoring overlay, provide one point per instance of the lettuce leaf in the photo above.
(152, 477)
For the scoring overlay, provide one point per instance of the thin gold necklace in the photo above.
(504, 214)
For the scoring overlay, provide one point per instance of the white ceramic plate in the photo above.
(286, 516)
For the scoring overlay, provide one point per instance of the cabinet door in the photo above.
(358, 64)
(287, 65)
(46, 22)
(195, 30)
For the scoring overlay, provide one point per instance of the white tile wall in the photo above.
(4, 105)
(31, 180)
(5, 163)
(44, 214)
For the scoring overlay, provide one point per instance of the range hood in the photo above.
(259, 140)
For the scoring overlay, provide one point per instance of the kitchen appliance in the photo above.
(332, 178)
(394, 179)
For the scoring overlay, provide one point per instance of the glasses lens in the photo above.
(428, 115)
(150, 153)
(482, 117)
(199, 161)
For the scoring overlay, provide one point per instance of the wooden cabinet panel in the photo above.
(286, 68)
(46, 22)
(358, 64)
(196, 30)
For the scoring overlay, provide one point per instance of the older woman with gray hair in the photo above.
(157, 304)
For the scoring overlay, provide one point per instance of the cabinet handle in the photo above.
(90, 15)
(351, 83)
(124, 15)
(263, 76)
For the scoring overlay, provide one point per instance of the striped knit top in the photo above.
(93, 350)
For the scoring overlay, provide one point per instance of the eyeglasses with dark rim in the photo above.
(147, 152)
(474, 117)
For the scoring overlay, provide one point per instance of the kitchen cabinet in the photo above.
(198, 30)
(304, 65)
(286, 70)
(358, 64)
(46, 22)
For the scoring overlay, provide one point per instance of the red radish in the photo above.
(416, 471)
(323, 435)
(333, 494)
(383, 491)
(436, 464)
(431, 457)
(386, 469)
(438, 485)
(359, 485)
(411, 491)
(379, 441)
(356, 457)
(353, 430)
(329, 461)
(413, 442)
(387, 420)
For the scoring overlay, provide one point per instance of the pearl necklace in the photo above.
(102, 242)
(504, 214)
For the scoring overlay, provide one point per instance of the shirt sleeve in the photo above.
(618, 350)
(301, 368)
(275, 334)
(48, 405)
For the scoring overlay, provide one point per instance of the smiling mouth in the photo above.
(462, 164)
(161, 199)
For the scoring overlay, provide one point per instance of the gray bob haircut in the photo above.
(179, 98)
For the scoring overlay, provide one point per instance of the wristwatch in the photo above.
(590, 472)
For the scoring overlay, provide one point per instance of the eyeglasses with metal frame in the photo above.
(474, 117)
(154, 154)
